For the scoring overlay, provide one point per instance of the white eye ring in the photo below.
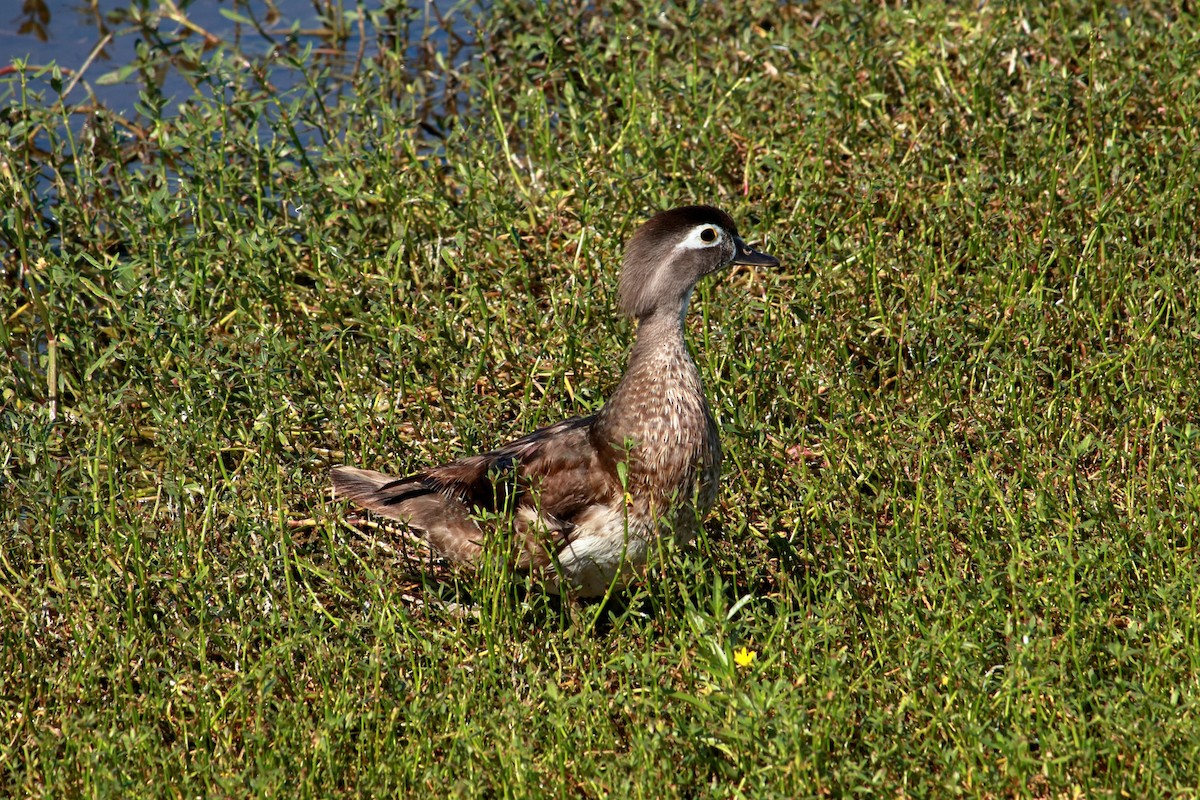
(702, 237)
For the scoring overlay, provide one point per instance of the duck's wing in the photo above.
(543, 482)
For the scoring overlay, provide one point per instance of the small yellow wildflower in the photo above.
(744, 657)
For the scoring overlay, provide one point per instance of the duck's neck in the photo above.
(659, 424)
(661, 381)
(660, 334)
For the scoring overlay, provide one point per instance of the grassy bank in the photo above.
(955, 550)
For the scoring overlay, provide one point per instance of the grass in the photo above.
(960, 503)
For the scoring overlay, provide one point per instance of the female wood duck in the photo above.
(583, 501)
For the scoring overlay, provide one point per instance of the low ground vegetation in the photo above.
(955, 553)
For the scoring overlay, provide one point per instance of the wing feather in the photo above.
(543, 481)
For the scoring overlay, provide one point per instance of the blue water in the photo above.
(93, 45)
(92, 48)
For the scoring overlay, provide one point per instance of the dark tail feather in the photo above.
(376, 491)
(444, 521)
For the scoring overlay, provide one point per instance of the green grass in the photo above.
(961, 497)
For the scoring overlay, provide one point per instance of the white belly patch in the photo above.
(605, 544)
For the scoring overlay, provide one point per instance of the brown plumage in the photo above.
(584, 499)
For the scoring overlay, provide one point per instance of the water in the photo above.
(125, 63)
(93, 41)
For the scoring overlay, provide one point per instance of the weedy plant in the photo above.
(955, 549)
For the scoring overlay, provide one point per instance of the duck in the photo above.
(582, 504)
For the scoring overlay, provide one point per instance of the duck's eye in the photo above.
(708, 235)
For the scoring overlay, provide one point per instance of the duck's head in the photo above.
(672, 251)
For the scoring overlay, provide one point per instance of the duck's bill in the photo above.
(747, 255)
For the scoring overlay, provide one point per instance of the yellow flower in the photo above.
(744, 657)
